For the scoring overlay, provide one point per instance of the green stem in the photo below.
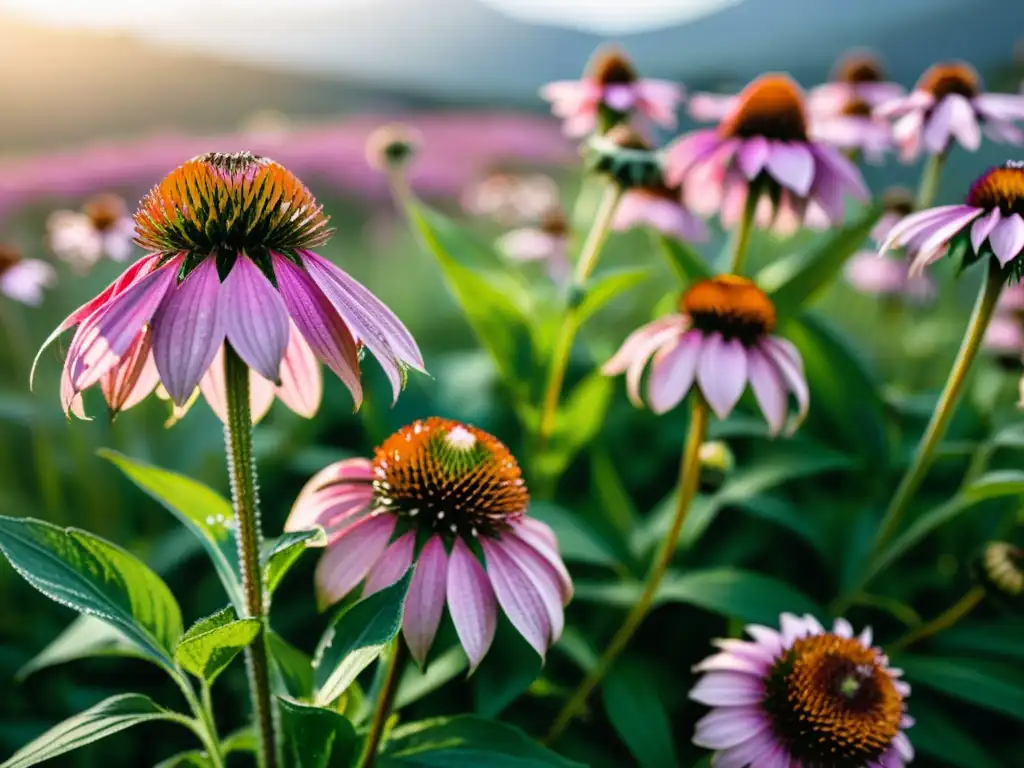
(929, 185)
(944, 408)
(385, 698)
(202, 725)
(589, 254)
(242, 469)
(741, 238)
(943, 621)
(689, 478)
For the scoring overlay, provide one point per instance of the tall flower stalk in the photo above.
(385, 700)
(245, 499)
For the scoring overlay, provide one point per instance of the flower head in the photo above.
(803, 697)
(448, 500)
(102, 228)
(858, 78)
(24, 279)
(230, 236)
(624, 156)
(511, 198)
(763, 147)
(989, 223)
(547, 242)
(610, 91)
(661, 208)
(949, 104)
(721, 340)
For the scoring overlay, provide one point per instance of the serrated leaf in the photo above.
(104, 719)
(315, 737)
(85, 637)
(282, 553)
(605, 287)
(466, 741)
(794, 281)
(95, 577)
(357, 637)
(211, 643)
(688, 265)
(199, 508)
(638, 714)
(744, 595)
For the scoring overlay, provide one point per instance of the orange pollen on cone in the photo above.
(831, 702)
(105, 210)
(859, 68)
(1001, 188)
(942, 80)
(230, 201)
(611, 66)
(448, 477)
(772, 106)
(731, 305)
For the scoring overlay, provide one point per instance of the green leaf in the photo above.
(191, 759)
(687, 264)
(211, 643)
(578, 422)
(577, 540)
(465, 741)
(315, 737)
(936, 734)
(984, 639)
(605, 287)
(744, 595)
(991, 685)
(199, 508)
(105, 719)
(356, 638)
(281, 554)
(417, 683)
(293, 667)
(97, 578)
(1002, 482)
(796, 280)
(490, 307)
(638, 714)
(85, 637)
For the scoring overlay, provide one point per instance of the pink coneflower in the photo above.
(230, 235)
(546, 243)
(102, 228)
(867, 273)
(721, 341)
(449, 501)
(661, 208)
(511, 198)
(609, 92)
(763, 146)
(988, 223)
(24, 279)
(948, 104)
(854, 129)
(803, 697)
(857, 77)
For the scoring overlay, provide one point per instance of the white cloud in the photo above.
(609, 16)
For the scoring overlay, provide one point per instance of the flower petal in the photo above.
(673, 372)
(542, 539)
(1007, 238)
(790, 365)
(255, 318)
(134, 376)
(471, 603)
(302, 385)
(348, 560)
(722, 373)
(543, 577)
(425, 602)
(392, 565)
(518, 597)
(769, 389)
(753, 155)
(792, 165)
(724, 728)
(982, 228)
(728, 689)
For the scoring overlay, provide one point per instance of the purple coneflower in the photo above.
(763, 146)
(511, 198)
(610, 91)
(662, 208)
(854, 129)
(102, 228)
(802, 697)
(857, 77)
(948, 104)
(988, 223)
(231, 262)
(24, 279)
(869, 274)
(721, 340)
(449, 501)
(546, 243)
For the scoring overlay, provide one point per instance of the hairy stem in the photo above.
(386, 697)
(242, 469)
(689, 478)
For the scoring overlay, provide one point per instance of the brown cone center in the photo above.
(732, 306)
(1001, 188)
(947, 79)
(611, 66)
(771, 107)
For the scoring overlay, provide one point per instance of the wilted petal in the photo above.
(425, 602)
(255, 318)
(471, 603)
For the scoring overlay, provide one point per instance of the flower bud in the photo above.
(1000, 570)
(716, 463)
(624, 156)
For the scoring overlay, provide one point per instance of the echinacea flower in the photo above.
(762, 147)
(803, 697)
(1004, 340)
(869, 274)
(661, 208)
(447, 500)
(24, 279)
(720, 341)
(949, 103)
(102, 228)
(230, 236)
(546, 243)
(511, 198)
(854, 129)
(858, 77)
(609, 92)
(990, 222)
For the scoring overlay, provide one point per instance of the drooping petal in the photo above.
(326, 505)
(302, 385)
(840, 168)
(753, 156)
(982, 228)
(937, 127)
(673, 372)
(518, 597)
(255, 318)
(769, 390)
(539, 536)
(188, 329)
(963, 123)
(790, 365)
(392, 565)
(685, 153)
(133, 377)
(722, 373)
(350, 558)
(1007, 238)
(471, 603)
(425, 602)
(792, 165)
(945, 229)
(319, 323)
(637, 341)
(918, 223)
(542, 576)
